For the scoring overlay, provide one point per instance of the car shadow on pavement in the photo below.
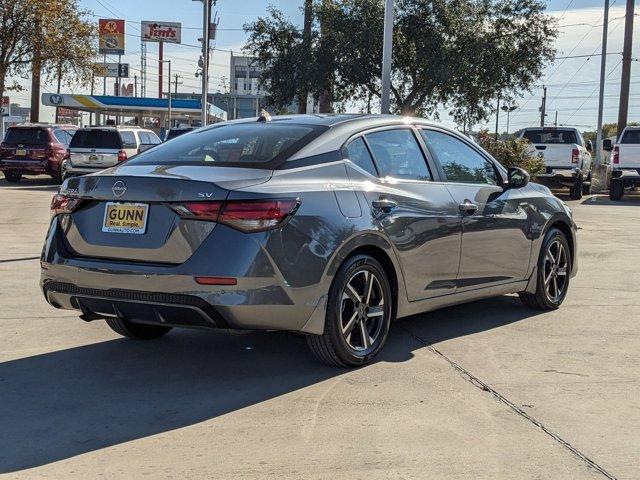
(69, 402)
(41, 183)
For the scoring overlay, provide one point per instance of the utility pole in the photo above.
(555, 123)
(306, 40)
(36, 72)
(176, 77)
(497, 116)
(135, 85)
(603, 68)
(206, 20)
(387, 50)
(543, 107)
(626, 67)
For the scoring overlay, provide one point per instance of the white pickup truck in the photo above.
(625, 162)
(566, 155)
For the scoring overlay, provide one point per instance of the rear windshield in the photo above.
(631, 136)
(108, 139)
(258, 145)
(551, 136)
(31, 136)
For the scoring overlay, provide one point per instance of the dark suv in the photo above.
(35, 150)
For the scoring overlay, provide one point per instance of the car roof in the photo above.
(43, 125)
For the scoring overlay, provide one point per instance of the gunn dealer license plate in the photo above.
(125, 218)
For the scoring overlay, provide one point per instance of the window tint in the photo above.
(460, 162)
(551, 136)
(27, 136)
(96, 138)
(631, 136)
(245, 144)
(398, 155)
(359, 154)
(128, 140)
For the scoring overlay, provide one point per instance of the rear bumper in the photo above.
(73, 171)
(558, 176)
(263, 299)
(27, 166)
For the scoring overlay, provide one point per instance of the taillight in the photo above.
(62, 204)
(575, 155)
(615, 157)
(122, 156)
(243, 215)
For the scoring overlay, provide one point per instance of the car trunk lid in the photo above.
(141, 197)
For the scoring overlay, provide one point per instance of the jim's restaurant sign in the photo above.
(111, 36)
(168, 32)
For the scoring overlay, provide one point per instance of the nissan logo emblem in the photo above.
(119, 188)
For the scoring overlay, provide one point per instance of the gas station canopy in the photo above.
(125, 106)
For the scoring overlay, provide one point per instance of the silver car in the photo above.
(331, 226)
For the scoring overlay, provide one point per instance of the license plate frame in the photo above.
(130, 224)
(21, 152)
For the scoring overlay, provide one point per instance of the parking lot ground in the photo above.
(484, 390)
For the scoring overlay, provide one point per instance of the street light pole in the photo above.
(387, 48)
(206, 14)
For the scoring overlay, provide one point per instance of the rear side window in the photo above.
(258, 145)
(176, 132)
(359, 154)
(24, 136)
(460, 162)
(96, 138)
(551, 136)
(631, 136)
(152, 138)
(398, 155)
(128, 140)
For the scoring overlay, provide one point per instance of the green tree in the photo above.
(513, 152)
(460, 54)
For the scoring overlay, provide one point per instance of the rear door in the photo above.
(95, 148)
(496, 244)
(415, 211)
(130, 142)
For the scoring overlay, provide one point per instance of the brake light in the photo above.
(61, 204)
(615, 157)
(122, 156)
(575, 155)
(243, 215)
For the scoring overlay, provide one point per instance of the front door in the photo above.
(416, 213)
(496, 244)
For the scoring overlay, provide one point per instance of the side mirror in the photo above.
(589, 146)
(518, 177)
(607, 145)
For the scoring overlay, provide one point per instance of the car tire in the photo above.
(587, 185)
(575, 191)
(12, 177)
(58, 176)
(616, 191)
(552, 275)
(359, 311)
(137, 331)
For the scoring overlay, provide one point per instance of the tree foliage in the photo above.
(460, 54)
(58, 30)
(513, 152)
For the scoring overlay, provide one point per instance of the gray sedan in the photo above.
(328, 225)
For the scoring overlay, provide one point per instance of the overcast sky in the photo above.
(572, 83)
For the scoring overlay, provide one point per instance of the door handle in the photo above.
(384, 204)
(468, 207)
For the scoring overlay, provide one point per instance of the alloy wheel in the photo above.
(362, 310)
(556, 266)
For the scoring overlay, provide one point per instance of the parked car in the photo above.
(328, 225)
(96, 148)
(175, 132)
(35, 149)
(567, 157)
(625, 162)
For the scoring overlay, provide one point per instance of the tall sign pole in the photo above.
(160, 66)
(603, 68)
(206, 15)
(626, 67)
(387, 49)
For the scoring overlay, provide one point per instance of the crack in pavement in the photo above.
(475, 381)
(24, 259)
